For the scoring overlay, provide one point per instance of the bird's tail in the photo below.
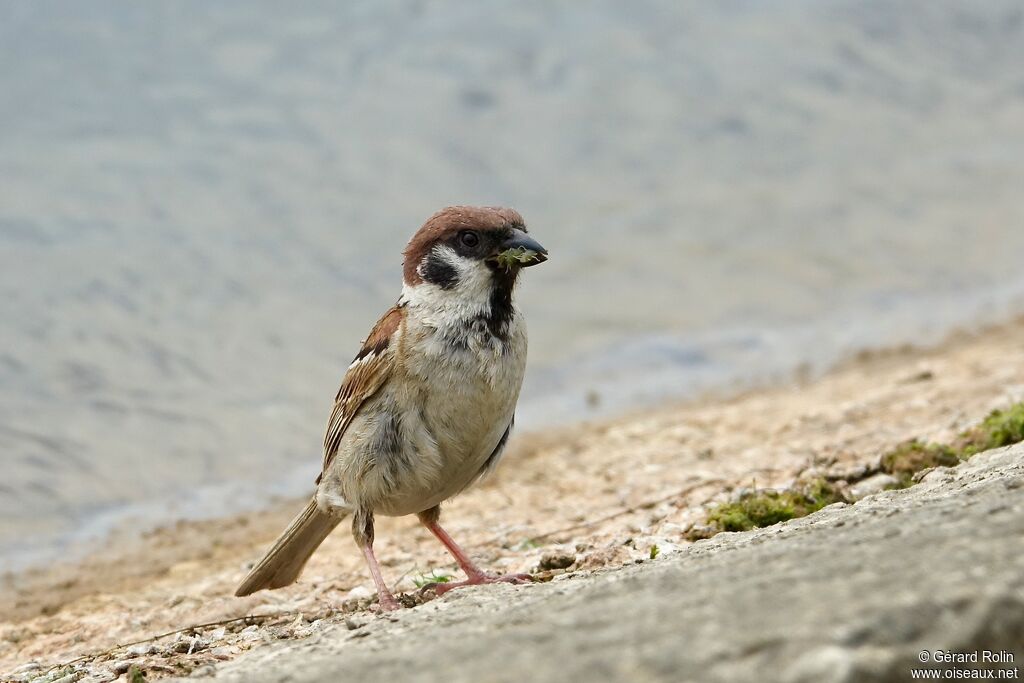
(284, 561)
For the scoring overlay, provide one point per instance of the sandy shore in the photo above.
(603, 493)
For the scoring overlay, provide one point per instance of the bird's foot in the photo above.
(387, 603)
(476, 580)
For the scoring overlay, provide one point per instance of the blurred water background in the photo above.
(203, 205)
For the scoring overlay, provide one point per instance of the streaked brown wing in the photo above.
(366, 375)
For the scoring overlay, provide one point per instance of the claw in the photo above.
(388, 604)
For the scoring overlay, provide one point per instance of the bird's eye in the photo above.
(469, 238)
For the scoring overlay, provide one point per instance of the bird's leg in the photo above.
(362, 531)
(474, 575)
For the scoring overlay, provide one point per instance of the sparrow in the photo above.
(427, 405)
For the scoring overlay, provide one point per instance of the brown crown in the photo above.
(448, 221)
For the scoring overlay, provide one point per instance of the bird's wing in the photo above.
(364, 377)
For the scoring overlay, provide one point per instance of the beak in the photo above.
(521, 250)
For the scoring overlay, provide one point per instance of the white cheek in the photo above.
(470, 297)
(475, 278)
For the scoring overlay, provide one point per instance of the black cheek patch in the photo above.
(439, 272)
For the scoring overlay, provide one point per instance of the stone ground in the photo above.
(852, 593)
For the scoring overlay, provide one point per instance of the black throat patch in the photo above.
(502, 311)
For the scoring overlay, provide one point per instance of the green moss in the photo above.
(766, 507)
(910, 457)
(820, 492)
(1000, 428)
(762, 508)
(655, 551)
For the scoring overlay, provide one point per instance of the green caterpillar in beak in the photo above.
(515, 256)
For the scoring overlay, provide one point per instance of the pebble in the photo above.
(854, 472)
(557, 560)
(359, 593)
(665, 547)
(355, 622)
(188, 644)
(701, 531)
(935, 475)
(121, 665)
(921, 375)
(873, 484)
(250, 633)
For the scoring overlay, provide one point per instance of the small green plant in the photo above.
(135, 675)
(527, 544)
(655, 551)
(433, 577)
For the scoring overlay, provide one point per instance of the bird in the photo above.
(427, 405)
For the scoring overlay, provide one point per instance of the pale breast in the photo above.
(467, 402)
(431, 429)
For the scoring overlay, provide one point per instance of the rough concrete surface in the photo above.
(851, 593)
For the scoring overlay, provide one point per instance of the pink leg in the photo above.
(474, 575)
(384, 596)
(362, 531)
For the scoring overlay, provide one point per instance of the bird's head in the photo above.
(469, 251)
